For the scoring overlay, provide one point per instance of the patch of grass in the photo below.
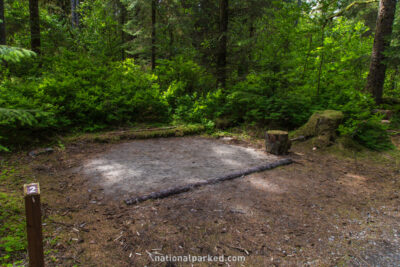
(12, 230)
(13, 241)
(6, 173)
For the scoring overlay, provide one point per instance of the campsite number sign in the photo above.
(32, 189)
(34, 225)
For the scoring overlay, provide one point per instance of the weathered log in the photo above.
(277, 142)
(186, 188)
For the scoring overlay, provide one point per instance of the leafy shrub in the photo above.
(253, 100)
(372, 134)
(203, 109)
(105, 95)
(187, 76)
(395, 121)
(12, 120)
(14, 54)
(85, 93)
(360, 123)
(80, 93)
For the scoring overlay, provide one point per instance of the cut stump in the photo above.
(321, 128)
(277, 142)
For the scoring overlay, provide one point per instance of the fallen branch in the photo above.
(186, 188)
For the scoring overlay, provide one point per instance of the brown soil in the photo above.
(323, 210)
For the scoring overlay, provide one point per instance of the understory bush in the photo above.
(253, 100)
(185, 75)
(86, 94)
(80, 93)
(360, 122)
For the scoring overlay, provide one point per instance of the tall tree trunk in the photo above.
(222, 44)
(297, 19)
(153, 33)
(321, 63)
(171, 42)
(122, 21)
(384, 27)
(393, 78)
(75, 13)
(65, 6)
(307, 56)
(35, 25)
(3, 37)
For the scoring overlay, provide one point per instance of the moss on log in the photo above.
(321, 127)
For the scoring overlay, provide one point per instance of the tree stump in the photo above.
(277, 142)
(321, 127)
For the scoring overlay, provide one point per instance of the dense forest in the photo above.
(78, 77)
(99, 64)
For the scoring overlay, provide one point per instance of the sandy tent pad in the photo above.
(144, 166)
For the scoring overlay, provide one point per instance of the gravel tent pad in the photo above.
(143, 166)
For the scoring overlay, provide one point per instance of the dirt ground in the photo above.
(139, 167)
(323, 210)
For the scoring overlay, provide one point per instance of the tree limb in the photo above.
(355, 3)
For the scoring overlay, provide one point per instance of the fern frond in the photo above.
(9, 116)
(14, 54)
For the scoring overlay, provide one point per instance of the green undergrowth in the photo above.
(346, 148)
(13, 242)
(12, 230)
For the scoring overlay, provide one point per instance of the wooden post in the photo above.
(34, 224)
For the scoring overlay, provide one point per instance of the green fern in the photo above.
(11, 116)
(14, 54)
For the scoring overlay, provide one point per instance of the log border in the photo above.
(181, 189)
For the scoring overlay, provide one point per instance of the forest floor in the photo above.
(330, 207)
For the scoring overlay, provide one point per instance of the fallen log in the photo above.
(186, 188)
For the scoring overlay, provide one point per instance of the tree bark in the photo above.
(307, 56)
(65, 6)
(153, 33)
(3, 37)
(222, 44)
(277, 142)
(122, 21)
(384, 27)
(171, 42)
(35, 25)
(74, 13)
(321, 61)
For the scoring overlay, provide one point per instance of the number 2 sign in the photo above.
(31, 189)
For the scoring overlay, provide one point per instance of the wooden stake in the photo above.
(34, 224)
